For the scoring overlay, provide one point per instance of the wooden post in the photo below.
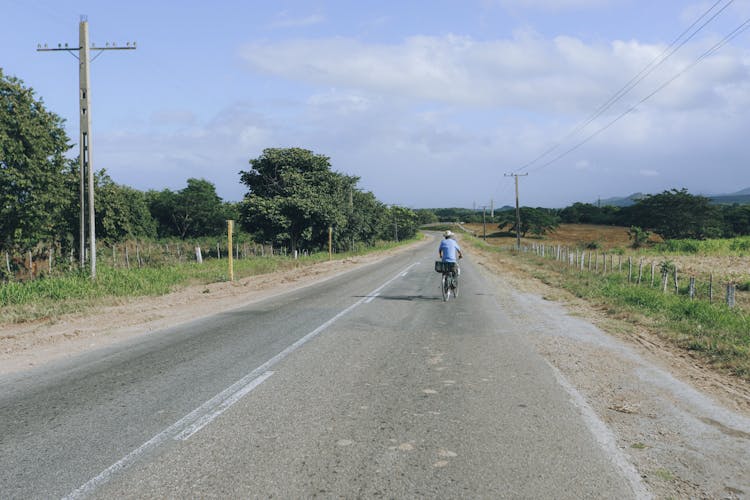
(665, 280)
(711, 287)
(127, 256)
(730, 295)
(230, 228)
(605, 264)
(653, 272)
(330, 242)
(138, 254)
(640, 271)
(31, 266)
(198, 255)
(630, 269)
(619, 263)
(676, 286)
(691, 290)
(49, 257)
(7, 262)
(114, 255)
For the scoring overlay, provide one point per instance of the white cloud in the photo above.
(525, 72)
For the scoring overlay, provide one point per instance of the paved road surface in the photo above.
(365, 385)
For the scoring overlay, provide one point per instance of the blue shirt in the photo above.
(450, 250)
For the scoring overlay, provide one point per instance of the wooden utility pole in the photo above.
(85, 161)
(518, 211)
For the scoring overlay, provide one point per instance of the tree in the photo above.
(294, 197)
(676, 214)
(194, 211)
(638, 236)
(538, 221)
(34, 174)
(121, 211)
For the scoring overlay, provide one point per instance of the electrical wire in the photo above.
(668, 52)
(728, 38)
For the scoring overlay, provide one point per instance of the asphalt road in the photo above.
(365, 385)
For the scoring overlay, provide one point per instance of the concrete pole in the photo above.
(86, 160)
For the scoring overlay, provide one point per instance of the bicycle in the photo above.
(448, 279)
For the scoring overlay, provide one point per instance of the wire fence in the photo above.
(641, 271)
(51, 260)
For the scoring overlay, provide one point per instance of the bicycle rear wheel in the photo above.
(445, 286)
(455, 285)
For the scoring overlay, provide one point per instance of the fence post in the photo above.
(676, 286)
(630, 269)
(31, 266)
(664, 280)
(198, 255)
(730, 295)
(604, 271)
(711, 288)
(640, 271)
(653, 272)
(691, 291)
(7, 262)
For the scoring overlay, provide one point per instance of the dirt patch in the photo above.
(27, 345)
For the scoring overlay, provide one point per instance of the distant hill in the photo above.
(740, 197)
(620, 202)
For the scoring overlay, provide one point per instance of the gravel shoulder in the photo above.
(685, 427)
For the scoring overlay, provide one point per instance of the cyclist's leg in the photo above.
(444, 284)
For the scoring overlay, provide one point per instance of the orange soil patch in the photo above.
(572, 235)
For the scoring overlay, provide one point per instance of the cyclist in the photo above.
(449, 251)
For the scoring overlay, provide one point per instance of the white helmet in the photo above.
(448, 234)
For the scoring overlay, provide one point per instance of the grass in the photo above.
(48, 298)
(712, 331)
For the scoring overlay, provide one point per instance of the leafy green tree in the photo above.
(402, 222)
(736, 220)
(677, 214)
(34, 174)
(293, 197)
(121, 211)
(538, 221)
(638, 236)
(194, 211)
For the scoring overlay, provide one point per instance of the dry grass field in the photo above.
(725, 268)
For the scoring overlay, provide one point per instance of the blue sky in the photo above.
(429, 102)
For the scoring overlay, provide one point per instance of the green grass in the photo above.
(712, 330)
(50, 297)
(730, 246)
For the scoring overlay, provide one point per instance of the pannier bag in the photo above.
(444, 267)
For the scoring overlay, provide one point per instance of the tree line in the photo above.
(672, 214)
(293, 195)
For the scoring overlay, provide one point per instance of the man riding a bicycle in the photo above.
(449, 251)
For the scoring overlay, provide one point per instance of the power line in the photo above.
(668, 52)
(731, 36)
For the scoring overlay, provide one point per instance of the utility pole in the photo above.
(518, 211)
(484, 223)
(85, 160)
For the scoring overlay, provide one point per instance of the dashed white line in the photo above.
(208, 411)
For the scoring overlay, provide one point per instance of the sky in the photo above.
(430, 103)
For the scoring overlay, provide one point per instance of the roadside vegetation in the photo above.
(712, 331)
(53, 296)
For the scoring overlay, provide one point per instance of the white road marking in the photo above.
(603, 436)
(208, 411)
(209, 417)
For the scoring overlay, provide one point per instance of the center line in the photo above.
(208, 411)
